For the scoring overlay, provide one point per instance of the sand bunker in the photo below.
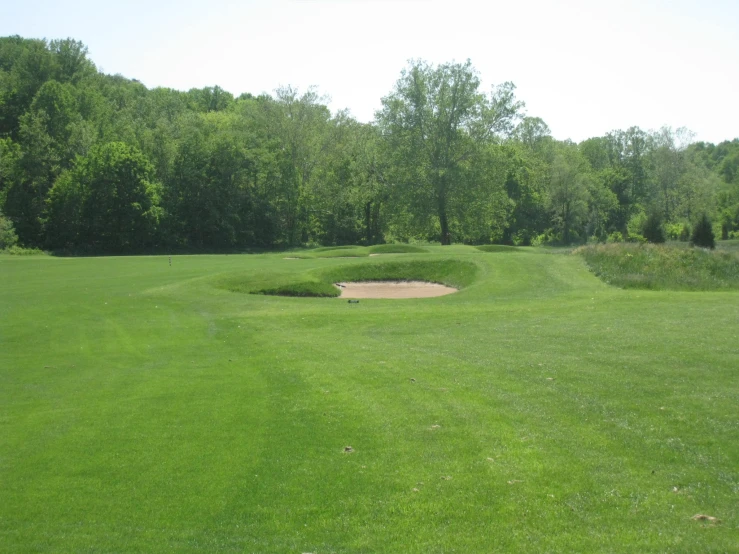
(393, 289)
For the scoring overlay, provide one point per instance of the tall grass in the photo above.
(662, 267)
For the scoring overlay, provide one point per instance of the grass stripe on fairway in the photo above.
(144, 407)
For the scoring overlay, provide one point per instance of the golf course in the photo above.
(236, 403)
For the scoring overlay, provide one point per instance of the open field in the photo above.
(145, 407)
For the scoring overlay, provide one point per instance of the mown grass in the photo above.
(356, 251)
(147, 408)
(498, 248)
(397, 249)
(663, 267)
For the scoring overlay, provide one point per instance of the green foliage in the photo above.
(615, 236)
(652, 230)
(8, 238)
(673, 230)
(646, 266)
(703, 233)
(20, 251)
(442, 162)
(439, 131)
(107, 202)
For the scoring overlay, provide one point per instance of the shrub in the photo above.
(673, 230)
(616, 236)
(8, 238)
(652, 228)
(703, 233)
(685, 233)
(635, 225)
(546, 238)
(20, 251)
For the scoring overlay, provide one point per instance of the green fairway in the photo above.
(148, 407)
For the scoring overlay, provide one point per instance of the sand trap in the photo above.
(393, 289)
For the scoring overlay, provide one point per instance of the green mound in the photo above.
(320, 283)
(662, 267)
(453, 273)
(354, 252)
(497, 248)
(396, 249)
(329, 248)
(305, 288)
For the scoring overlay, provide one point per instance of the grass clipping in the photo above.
(662, 267)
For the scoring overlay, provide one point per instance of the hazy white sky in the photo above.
(584, 66)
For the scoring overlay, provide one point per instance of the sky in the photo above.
(586, 67)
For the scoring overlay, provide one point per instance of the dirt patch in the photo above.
(393, 289)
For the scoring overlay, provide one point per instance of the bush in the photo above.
(616, 236)
(703, 234)
(652, 228)
(635, 226)
(8, 238)
(20, 251)
(685, 233)
(673, 231)
(546, 238)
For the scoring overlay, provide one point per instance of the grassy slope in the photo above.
(144, 408)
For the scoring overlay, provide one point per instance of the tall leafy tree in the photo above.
(436, 123)
(568, 191)
(107, 202)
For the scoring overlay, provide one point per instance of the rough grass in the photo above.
(143, 409)
(662, 267)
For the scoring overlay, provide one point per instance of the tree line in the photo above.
(91, 162)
